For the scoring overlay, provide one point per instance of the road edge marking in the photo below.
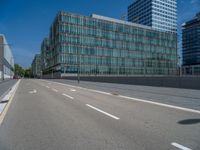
(103, 112)
(160, 104)
(4, 112)
(131, 98)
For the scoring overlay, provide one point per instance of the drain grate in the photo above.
(115, 94)
(6, 101)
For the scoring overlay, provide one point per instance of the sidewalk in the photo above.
(5, 86)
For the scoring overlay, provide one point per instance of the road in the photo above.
(173, 96)
(50, 115)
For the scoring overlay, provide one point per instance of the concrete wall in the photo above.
(176, 82)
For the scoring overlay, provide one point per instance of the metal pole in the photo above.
(78, 73)
(52, 73)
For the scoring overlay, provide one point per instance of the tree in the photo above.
(28, 73)
(19, 71)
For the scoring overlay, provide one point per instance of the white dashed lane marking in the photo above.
(54, 90)
(180, 146)
(67, 96)
(103, 112)
(73, 90)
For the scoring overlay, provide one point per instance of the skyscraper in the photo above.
(191, 46)
(159, 14)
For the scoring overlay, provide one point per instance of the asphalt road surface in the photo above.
(46, 115)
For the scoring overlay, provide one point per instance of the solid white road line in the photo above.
(4, 109)
(47, 87)
(131, 98)
(160, 104)
(105, 113)
(67, 96)
(55, 90)
(101, 92)
(180, 146)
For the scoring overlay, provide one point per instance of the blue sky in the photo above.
(26, 22)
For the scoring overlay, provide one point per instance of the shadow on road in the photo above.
(189, 121)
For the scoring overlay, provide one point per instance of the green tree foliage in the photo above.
(19, 71)
(28, 73)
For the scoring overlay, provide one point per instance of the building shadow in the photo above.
(189, 121)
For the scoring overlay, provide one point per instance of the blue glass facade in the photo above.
(191, 46)
(36, 66)
(45, 51)
(97, 45)
(158, 14)
(191, 41)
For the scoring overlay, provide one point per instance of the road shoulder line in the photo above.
(131, 98)
(11, 93)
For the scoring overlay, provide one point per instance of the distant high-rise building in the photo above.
(45, 47)
(159, 14)
(191, 46)
(36, 66)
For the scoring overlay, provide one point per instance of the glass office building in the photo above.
(191, 46)
(98, 45)
(6, 59)
(36, 66)
(45, 47)
(159, 14)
